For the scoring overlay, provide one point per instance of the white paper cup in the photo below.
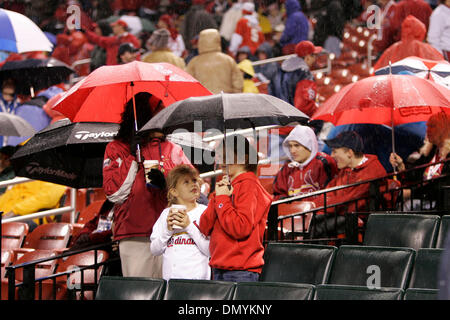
(177, 207)
(149, 165)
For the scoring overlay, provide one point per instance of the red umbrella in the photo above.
(386, 99)
(102, 95)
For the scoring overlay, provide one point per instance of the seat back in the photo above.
(5, 261)
(426, 269)
(341, 292)
(130, 288)
(181, 289)
(402, 230)
(362, 265)
(421, 294)
(42, 269)
(90, 211)
(83, 259)
(297, 263)
(273, 291)
(13, 234)
(49, 236)
(443, 231)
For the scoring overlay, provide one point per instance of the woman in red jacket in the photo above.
(137, 206)
(236, 217)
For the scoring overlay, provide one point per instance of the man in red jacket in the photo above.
(111, 44)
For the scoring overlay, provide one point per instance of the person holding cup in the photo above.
(136, 205)
(175, 236)
(236, 216)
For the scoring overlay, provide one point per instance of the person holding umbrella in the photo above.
(236, 216)
(436, 148)
(136, 206)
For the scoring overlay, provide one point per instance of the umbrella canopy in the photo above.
(135, 24)
(102, 95)
(35, 73)
(435, 70)
(19, 34)
(225, 111)
(385, 99)
(66, 153)
(72, 154)
(12, 125)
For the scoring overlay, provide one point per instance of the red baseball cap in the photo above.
(120, 23)
(306, 47)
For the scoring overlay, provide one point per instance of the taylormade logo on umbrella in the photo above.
(83, 135)
(35, 168)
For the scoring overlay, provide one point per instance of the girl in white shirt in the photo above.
(185, 249)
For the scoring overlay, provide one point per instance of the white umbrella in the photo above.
(19, 34)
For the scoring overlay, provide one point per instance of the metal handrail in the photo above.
(45, 213)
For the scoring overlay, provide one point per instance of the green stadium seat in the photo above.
(273, 291)
(130, 288)
(342, 292)
(402, 230)
(297, 263)
(359, 266)
(181, 289)
(421, 294)
(443, 231)
(426, 269)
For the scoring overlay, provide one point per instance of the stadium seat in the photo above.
(402, 230)
(426, 269)
(83, 259)
(342, 292)
(273, 291)
(443, 231)
(130, 288)
(297, 263)
(359, 265)
(421, 294)
(5, 261)
(85, 216)
(180, 289)
(285, 209)
(49, 236)
(13, 234)
(43, 269)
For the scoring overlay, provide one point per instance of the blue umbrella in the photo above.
(19, 34)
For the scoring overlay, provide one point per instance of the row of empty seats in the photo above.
(351, 265)
(406, 230)
(129, 288)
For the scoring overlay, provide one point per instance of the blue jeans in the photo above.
(235, 275)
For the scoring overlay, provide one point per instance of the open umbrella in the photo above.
(12, 125)
(35, 74)
(434, 70)
(20, 34)
(66, 153)
(102, 95)
(72, 154)
(387, 100)
(225, 111)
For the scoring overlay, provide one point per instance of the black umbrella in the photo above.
(35, 74)
(225, 111)
(66, 153)
(72, 154)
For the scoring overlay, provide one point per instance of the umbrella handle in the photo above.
(138, 147)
